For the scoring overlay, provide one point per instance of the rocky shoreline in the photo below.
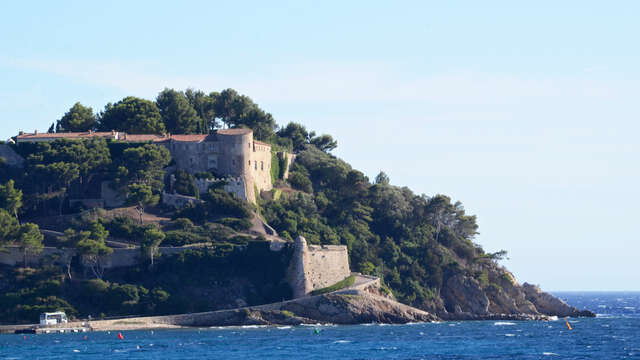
(345, 307)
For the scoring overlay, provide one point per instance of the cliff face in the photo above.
(496, 295)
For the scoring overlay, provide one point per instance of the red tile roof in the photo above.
(67, 135)
(261, 143)
(191, 138)
(142, 137)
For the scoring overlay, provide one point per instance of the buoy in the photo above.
(120, 336)
(24, 337)
(85, 337)
(568, 325)
(316, 331)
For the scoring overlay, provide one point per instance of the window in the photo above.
(211, 147)
(255, 165)
(261, 165)
(249, 163)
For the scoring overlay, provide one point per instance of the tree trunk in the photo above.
(69, 269)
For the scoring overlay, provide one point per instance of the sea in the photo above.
(613, 334)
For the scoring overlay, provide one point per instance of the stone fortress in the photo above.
(245, 164)
(231, 153)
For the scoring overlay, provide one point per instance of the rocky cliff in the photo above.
(495, 294)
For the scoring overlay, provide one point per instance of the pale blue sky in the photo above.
(527, 113)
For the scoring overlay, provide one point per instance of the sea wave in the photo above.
(342, 341)
(503, 323)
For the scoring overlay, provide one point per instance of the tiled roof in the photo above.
(196, 137)
(261, 143)
(67, 135)
(142, 137)
(238, 131)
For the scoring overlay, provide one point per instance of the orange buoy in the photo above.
(120, 336)
(24, 337)
(568, 325)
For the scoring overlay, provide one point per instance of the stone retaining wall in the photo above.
(316, 267)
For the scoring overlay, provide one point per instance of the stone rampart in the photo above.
(119, 258)
(316, 267)
(288, 157)
(10, 156)
(234, 185)
(177, 200)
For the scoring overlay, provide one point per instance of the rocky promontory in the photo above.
(497, 295)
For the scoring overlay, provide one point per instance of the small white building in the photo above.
(53, 318)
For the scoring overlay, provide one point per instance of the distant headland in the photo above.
(190, 205)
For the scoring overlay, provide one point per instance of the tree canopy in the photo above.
(178, 115)
(78, 118)
(132, 115)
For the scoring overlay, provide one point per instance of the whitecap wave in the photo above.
(549, 354)
(284, 327)
(509, 335)
(503, 323)
(342, 341)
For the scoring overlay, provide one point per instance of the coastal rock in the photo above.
(356, 307)
(548, 304)
(466, 293)
(343, 307)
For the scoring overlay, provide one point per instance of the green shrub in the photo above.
(181, 238)
(335, 287)
(275, 167)
(236, 224)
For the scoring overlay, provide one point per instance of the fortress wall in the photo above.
(119, 258)
(12, 256)
(316, 267)
(10, 156)
(329, 265)
(177, 200)
(289, 157)
(260, 167)
(235, 151)
(187, 155)
(235, 186)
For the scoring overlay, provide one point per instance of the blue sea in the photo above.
(613, 334)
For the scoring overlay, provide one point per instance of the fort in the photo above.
(229, 153)
(234, 159)
(310, 267)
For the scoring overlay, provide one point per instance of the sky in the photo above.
(526, 112)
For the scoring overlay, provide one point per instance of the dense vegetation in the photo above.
(414, 243)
